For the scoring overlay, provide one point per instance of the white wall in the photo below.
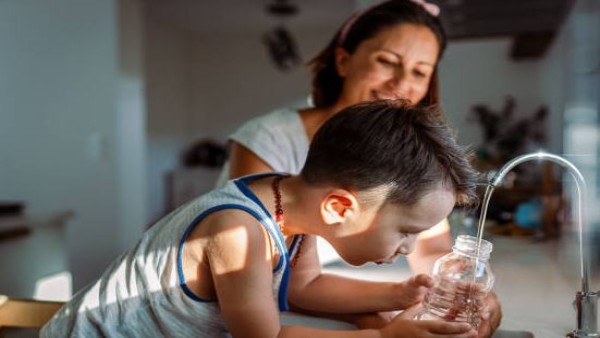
(131, 123)
(70, 113)
(169, 110)
(482, 72)
(234, 78)
(57, 96)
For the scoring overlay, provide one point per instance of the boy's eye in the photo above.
(409, 233)
(386, 62)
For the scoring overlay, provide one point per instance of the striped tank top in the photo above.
(144, 293)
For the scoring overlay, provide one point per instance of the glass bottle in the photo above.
(462, 279)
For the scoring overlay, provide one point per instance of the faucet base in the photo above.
(586, 305)
(579, 334)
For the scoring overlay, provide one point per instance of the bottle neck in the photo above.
(468, 246)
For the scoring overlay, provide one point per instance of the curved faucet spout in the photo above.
(497, 179)
(586, 301)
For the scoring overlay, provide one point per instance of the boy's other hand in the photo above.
(412, 291)
(484, 307)
(491, 316)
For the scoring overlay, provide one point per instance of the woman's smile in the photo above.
(381, 95)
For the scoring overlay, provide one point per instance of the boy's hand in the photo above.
(491, 316)
(467, 299)
(484, 305)
(374, 320)
(400, 328)
(412, 291)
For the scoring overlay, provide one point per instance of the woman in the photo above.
(388, 51)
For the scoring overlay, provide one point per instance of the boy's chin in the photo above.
(355, 262)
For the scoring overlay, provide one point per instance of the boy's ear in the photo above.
(337, 206)
(342, 58)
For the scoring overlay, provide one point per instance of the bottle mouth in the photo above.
(468, 245)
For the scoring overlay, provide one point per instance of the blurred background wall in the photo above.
(100, 99)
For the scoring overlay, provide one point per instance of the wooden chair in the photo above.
(26, 313)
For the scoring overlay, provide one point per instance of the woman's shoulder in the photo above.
(278, 117)
(283, 120)
(278, 138)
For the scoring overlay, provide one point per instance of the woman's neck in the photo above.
(314, 118)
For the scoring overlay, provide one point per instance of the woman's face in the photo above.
(397, 63)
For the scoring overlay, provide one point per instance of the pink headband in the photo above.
(350, 23)
(430, 8)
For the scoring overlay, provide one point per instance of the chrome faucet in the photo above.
(586, 302)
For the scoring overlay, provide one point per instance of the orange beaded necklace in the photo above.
(279, 218)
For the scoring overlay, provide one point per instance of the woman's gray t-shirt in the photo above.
(278, 138)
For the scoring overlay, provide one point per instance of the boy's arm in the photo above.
(240, 257)
(241, 269)
(312, 290)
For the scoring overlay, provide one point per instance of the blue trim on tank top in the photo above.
(241, 183)
(295, 242)
(284, 254)
(187, 232)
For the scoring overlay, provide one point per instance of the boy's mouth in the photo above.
(389, 260)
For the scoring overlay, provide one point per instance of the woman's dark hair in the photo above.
(409, 149)
(327, 84)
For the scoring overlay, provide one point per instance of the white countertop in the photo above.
(536, 283)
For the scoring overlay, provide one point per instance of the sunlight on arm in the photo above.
(229, 250)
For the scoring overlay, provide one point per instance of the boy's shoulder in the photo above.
(231, 237)
(228, 220)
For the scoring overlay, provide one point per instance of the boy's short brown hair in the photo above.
(411, 149)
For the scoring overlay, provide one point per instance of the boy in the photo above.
(377, 174)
